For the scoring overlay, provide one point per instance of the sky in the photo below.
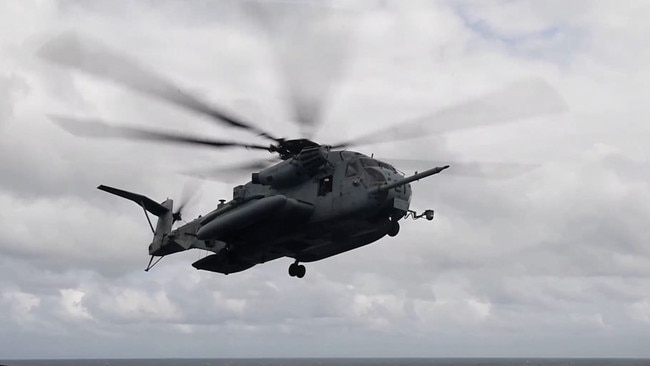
(551, 263)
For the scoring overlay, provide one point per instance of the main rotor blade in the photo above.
(100, 129)
(235, 171)
(473, 169)
(310, 44)
(520, 100)
(96, 59)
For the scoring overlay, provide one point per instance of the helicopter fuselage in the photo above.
(304, 213)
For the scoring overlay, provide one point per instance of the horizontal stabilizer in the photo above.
(146, 202)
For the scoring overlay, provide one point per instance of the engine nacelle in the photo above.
(292, 171)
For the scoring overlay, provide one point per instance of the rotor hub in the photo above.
(291, 148)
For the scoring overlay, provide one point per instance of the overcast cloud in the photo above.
(555, 262)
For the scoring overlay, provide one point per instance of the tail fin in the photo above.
(164, 212)
(163, 228)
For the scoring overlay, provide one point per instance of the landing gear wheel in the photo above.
(301, 271)
(297, 270)
(394, 228)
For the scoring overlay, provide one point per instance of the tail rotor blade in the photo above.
(189, 193)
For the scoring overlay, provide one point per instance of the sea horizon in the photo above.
(327, 361)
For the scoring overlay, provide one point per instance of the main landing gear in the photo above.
(297, 270)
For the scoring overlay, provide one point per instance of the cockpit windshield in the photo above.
(387, 166)
(367, 162)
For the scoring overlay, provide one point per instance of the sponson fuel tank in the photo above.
(221, 264)
(277, 207)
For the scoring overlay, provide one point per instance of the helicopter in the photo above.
(316, 200)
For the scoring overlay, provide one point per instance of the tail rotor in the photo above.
(188, 195)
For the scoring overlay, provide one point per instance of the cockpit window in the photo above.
(367, 162)
(351, 170)
(374, 175)
(387, 166)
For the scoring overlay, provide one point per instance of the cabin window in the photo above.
(325, 185)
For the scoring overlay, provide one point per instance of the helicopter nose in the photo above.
(400, 192)
(399, 197)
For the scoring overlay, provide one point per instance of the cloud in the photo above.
(71, 304)
(553, 262)
(20, 305)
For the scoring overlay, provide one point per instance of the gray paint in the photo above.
(306, 209)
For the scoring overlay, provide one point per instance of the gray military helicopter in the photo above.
(317, 201)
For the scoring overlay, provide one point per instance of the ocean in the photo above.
(337, 362)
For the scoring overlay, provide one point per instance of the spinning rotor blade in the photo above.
(189, 193)
(91, 57)
(518, 101)
(310, 43)
(99, 129)
(474, 169)
(247, 166)
(221, 173)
